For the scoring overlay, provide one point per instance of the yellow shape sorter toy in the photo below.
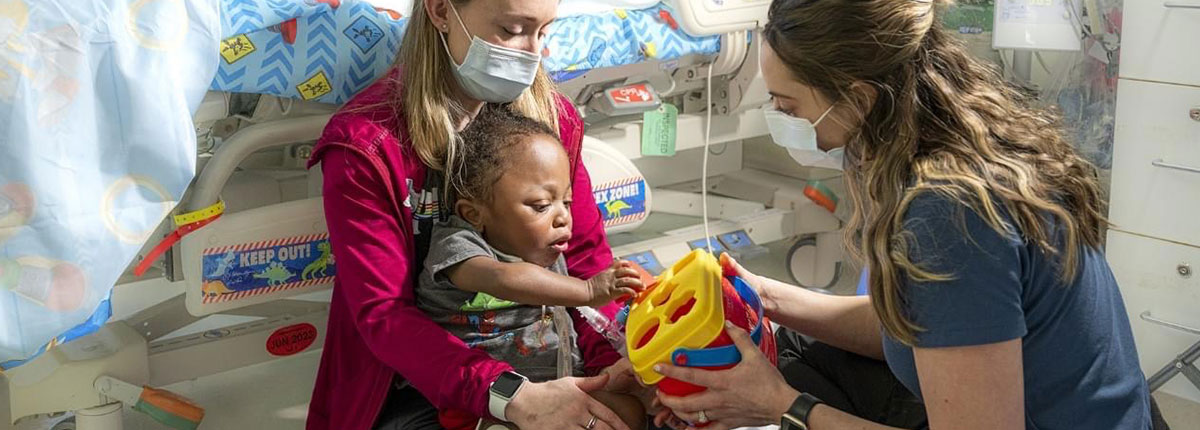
(684, 309)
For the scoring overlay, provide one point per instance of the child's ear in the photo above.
(471, 212)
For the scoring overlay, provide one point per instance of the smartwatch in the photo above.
(796, 418)
(502, 391)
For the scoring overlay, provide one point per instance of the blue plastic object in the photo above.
(728, 354)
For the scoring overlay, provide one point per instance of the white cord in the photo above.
(704, 167)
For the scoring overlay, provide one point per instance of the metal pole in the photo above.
(1179, 364)
(1023, 66)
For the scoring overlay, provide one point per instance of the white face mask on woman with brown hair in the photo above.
(799, 136)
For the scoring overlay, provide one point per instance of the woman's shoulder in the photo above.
(368, 120)
(570, 123)
(946, 217)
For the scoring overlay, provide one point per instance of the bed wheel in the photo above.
(801, 261)
(66, 424)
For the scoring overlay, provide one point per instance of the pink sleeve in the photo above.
(588, 253)
(373, 252)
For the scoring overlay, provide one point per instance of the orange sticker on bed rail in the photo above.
(291, 339)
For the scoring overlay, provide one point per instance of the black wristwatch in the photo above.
(502, 392)
(796, 418)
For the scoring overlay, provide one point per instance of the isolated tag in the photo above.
(658, 130)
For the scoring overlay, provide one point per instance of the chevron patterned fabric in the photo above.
(328, 50)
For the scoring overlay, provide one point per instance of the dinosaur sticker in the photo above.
(322, 263)
(215, 288)
(622, 202)
(616, 206)
(275, 274)
(238, 271)
(224, 264)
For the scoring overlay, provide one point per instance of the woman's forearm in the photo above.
(825, 417)
(846, 322)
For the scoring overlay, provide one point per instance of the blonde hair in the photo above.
(426, 85)
(941, 122)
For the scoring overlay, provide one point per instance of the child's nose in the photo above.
(563, 217)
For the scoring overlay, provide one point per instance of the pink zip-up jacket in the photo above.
(375, 329)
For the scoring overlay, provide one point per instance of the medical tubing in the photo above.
(704, 164)
(610, 329)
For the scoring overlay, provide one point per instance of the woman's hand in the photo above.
(753, 393)
(563, 404)
(760, 284)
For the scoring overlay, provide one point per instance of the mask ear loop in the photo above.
(459, 18)
(445, 44)
(827, 111)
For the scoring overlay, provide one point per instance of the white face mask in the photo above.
(493, 73)
(799, 136)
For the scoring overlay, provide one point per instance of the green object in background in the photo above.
(658, 131)
(968, 17)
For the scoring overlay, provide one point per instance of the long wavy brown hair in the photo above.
(938, 121)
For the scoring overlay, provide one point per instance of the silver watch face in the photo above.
(506, 385)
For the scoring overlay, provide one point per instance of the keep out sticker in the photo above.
(291, 339)
(249, 269)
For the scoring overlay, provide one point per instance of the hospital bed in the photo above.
(257, 246)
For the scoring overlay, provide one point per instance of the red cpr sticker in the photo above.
(291, 339)
(631, 94)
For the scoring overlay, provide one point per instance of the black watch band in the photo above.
(796, 418)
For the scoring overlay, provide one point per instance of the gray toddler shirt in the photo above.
(524, 336)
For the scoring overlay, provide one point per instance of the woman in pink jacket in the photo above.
(381, 157)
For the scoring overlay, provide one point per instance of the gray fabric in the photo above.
(526, 337)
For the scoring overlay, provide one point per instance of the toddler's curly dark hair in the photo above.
(487, 147)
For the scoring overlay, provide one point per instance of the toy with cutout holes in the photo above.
(680, 319)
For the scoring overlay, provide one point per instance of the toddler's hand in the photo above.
(617, 281)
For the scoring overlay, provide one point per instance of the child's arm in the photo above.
(530, 284)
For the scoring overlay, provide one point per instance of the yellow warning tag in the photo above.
(236, 48)
(314, 87)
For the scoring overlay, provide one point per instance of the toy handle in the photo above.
(726, 355)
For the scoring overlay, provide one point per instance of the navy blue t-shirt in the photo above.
(1081, 368)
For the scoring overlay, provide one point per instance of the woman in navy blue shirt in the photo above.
(980, 226)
